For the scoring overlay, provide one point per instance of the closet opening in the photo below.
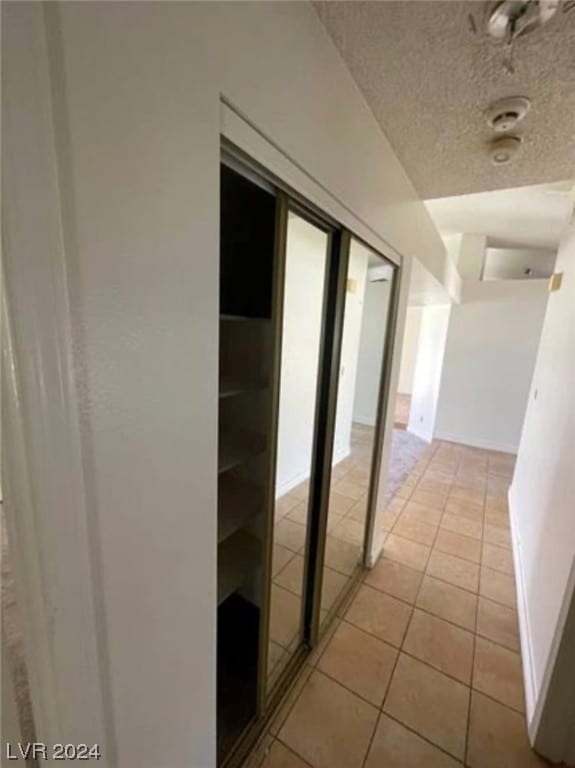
(305, 309)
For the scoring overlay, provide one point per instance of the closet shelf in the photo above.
(237, 556)
(232, 387)
(238, 503)
(238, 445)
(244, 318)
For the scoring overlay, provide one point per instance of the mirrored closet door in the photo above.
(304, 312)
(305, 274)
(352, 485)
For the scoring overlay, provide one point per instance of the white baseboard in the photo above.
(286, 486)
(523, 614)
(365, 420)
(476, 442)
(423, 434)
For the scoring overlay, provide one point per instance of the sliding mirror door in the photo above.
(368, 298)
(306, 265)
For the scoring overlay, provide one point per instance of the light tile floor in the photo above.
(346, 520)
(422, 666)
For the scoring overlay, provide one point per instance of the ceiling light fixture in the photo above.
(507, 20)
(510, 19)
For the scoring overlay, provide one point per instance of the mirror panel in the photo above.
(304, 289)
(366, 311)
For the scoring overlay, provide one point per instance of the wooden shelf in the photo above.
(244, 318)
(230, 388)
(238, 502)
(238, 445)
(237, 556)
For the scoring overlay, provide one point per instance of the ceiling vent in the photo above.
(504, 114)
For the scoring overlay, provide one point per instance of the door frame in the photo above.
(340, 238)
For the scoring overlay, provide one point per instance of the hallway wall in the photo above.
(371, 348)
(133, 92)
(542, 513)
(306, 264)
(350, 344)
(409, 350)
(490, 354)
(428, 367)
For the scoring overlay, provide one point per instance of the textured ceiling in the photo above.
(427, 78)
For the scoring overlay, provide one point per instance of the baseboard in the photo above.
(422, 434)
(363, 420)
(475, 442)
(287, 485)
(523, 614)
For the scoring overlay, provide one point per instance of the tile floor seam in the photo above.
(371, 740)
(468, 729)
(447, 621)
(451, 583)
(501, 704)
(463, 559)
(493, 600)
(427, 546)
(402, 644)
(483, 636)
(457, 533)
(394, 665)
(411, 729)
(293, 751)
(434, 668)
(353, 693)
(369, 634)
(473, 656)
(497, 642)
(351, 690)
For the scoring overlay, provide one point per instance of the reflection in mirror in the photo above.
(367, 300)
(305, 271)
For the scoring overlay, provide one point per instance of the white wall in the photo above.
(409, 350)
(428, 367)
(511, 263)
(354, 308)
(9, 723)
(306, 263)
(371, 348)
(542, 510)
(489, 359)
(133, 91)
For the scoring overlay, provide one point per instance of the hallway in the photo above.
(423, 665)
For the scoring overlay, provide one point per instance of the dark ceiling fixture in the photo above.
(510, 19)
(505, 21)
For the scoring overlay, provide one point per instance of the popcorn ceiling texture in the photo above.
(428, 78)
